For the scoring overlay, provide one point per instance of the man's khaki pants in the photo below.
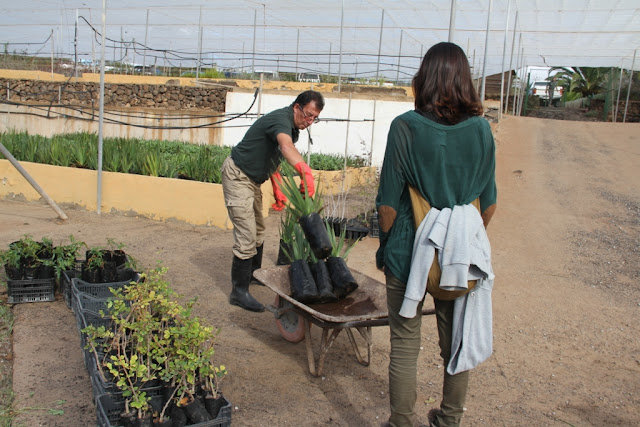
(405, 346)
(243, 200)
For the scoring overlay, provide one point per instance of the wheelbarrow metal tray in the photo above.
(367, 303)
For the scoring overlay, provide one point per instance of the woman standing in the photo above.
(440, 158)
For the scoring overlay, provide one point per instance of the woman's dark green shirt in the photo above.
(258, 154)
(448, 164)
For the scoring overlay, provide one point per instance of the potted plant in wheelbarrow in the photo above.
(343, 281)
(307, 210)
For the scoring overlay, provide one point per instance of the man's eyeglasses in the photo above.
(308, 117)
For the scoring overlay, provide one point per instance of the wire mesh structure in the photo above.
(358, 39)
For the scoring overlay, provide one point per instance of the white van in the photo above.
(309, 77)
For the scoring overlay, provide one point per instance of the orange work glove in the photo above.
(281, 199)
(307, 178)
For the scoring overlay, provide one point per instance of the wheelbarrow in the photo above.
(359, 311)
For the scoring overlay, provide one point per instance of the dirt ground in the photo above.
(566, 301)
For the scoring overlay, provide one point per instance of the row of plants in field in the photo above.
(151, 338)
(169, 159)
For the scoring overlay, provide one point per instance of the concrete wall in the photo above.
(160, 199)
(35, 122)
(330, 135)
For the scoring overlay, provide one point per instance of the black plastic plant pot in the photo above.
(323, 281)
(123, 273)
(91, 275)
(46, 272)
(30, 271)
(343, 281)
(129, 419)
(166, 422)
(213, 405)
(196, 412)
(303, 287)
(316, 234)
(13, 273)
(109, 272)
(178, 416)
(119, 257)
(282, 258)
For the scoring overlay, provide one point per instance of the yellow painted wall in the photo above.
(160, 199)
(157, 198)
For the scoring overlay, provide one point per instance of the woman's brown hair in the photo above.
(443, 86)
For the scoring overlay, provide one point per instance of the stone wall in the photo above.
(164, 96)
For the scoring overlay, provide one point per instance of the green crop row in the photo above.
(170, 159)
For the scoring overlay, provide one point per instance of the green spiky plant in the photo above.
(299, 247)
(340, 245)
(301, 204)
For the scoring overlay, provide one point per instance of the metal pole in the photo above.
(146, 36)
(260, 95)
(373, 127)
(75, 48)
(93, 47)
(340, 57)
(525, 99)
(399, 54)
(379, 47)
(452, 21)
(615, 115)
(517, 68)
(523, 88)
(31, 181)
(329, 74)
(199, 44)
(504, 55)
(101, 111)
(346, 143)
(253, 55)
(626, 104)
(51, 55)
(486, 50)
(297, 51)
(513, 43)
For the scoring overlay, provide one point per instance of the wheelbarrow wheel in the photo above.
(290, 324)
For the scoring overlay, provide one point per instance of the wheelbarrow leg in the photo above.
(328, 337)
(365, 332)
(307, 342)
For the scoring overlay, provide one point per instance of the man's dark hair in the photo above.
(310, 95)
(443, 85)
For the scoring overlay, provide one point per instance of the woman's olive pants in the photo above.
(405, 346)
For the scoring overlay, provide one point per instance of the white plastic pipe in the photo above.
(513, 44)
(504, 55)
(32, 181)
(486, 50)
(452, 21)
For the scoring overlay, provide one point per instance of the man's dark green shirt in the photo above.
(448, 165)
(258, 154)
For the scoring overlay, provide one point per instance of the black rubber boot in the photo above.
(240, 279)
(256, 264)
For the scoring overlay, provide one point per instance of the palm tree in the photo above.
(586, 81)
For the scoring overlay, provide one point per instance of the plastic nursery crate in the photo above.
(31, 290)
(65, 281)
(101, 386)
(374, 226)
(98, 290)
(109, 407)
